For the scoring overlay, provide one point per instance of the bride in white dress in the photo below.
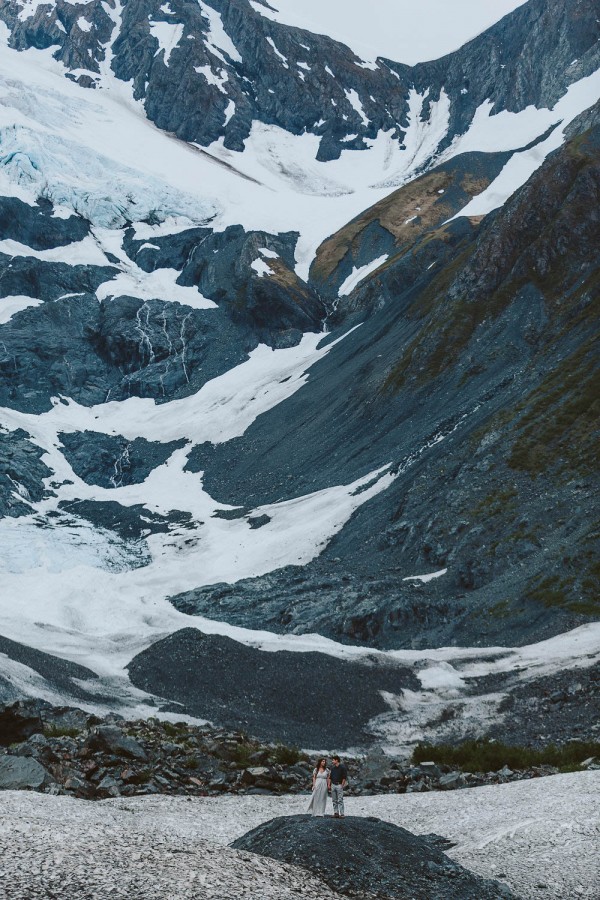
(318, 801)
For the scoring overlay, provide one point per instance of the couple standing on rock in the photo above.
(324, 780)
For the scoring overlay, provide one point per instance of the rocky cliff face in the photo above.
(495, 489)
(191, 194)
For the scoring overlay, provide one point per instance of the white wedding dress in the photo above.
(318, 801)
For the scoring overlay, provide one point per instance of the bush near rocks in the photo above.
(486, 755)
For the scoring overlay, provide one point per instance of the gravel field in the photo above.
(541, 837)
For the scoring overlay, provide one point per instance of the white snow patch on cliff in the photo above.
(261, 268)
(358, 274)
(354, 101)
(161, 284)
(168, 37)
(217, 39)
(10, 306)
(218, 79)
(426, 578)
(84, 253)
(278, 53)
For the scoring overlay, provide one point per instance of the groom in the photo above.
(338, 778)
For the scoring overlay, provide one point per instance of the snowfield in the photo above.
(539, 837)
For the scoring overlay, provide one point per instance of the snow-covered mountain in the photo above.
(296, 332)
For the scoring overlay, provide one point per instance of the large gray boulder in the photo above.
(19, 773)
(112, 739)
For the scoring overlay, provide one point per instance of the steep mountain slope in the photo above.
(292, 339)
(478, 379)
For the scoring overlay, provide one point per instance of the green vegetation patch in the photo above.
(286, 756)
(53, 731)
(559, 427)
(490, 756)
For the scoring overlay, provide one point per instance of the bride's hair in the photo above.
(320, 760)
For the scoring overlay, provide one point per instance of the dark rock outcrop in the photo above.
(18, 722)
(367, 855)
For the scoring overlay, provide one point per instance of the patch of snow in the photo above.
(224, 408)
(84, 253)
(278, 53)
(305, 66)
(372, 66)
(268, 254)
(422, 137)
(261, 268)
(426, 578)
(229, 113)
(157, 285)
(10, 306)
(168, 37)
(354, 101)
(358, 274)
(84, 25)
(217, 39)
(219, 78)
(132, 281)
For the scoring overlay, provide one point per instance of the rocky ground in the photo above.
(64, 751)
(559, 707)
(539, 837)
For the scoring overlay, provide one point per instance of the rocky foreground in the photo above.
(538, 837)
(66, 751)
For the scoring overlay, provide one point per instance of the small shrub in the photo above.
(242, 754)
(286, 756)
(142, 777)
(61, 731)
